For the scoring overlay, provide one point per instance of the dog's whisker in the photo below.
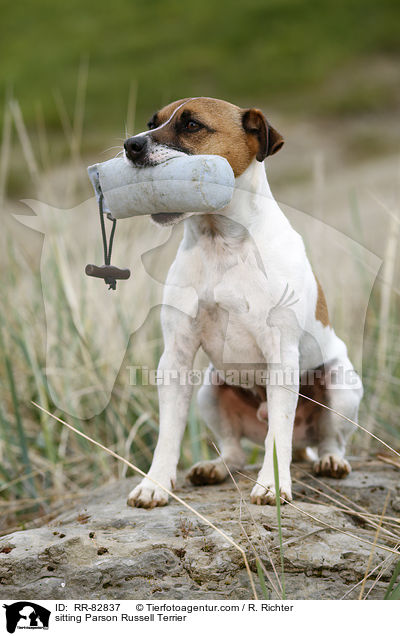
(110, 148)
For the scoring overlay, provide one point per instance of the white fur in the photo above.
(257, 299)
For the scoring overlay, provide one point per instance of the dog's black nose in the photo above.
(135, 147)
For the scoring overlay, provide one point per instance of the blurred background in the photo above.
(75, 80)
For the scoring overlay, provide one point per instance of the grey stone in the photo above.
(396, 504)
(102, 549)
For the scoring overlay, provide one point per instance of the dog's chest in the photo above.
(233, 301)
(226, 338)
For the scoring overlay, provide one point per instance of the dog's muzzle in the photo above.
(138, 150)
(142, 151)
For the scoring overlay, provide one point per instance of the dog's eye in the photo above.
(193, 125)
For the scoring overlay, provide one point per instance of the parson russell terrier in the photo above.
(261, 316)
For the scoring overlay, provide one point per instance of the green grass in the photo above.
(261, 579)
(393, 592)
(276, 52)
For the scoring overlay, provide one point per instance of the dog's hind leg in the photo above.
(343, 393)
(218, 409)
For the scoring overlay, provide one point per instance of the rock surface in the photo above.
(102, 549)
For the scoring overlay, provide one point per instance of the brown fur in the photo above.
(244, 405)
(321, 309)
(235, 133)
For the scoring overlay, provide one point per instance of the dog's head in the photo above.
(203, 126)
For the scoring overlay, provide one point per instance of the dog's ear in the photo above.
(268, 139)
(275, 140)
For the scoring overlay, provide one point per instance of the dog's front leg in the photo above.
(282, 395)
(174, 393)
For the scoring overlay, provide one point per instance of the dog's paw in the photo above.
(330, 465)
(147, 495)
(208, 472)
(266, 495)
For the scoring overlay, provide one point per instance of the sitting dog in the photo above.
(261, 313)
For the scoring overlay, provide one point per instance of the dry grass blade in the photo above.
(384, 566)
(372, 552)
(21, 504)
(28, 152)
(22, 478)
(300, 538)
(5, 153)
(324, 523)
(63, 115)
(259, 563)
(43, 142)
(344, 417)
(364, 511)
(142, 419)
(347, 510)
(243, 501)
(388, 460)
(79, 113)
(131, 109)
(169, 492)
(382, 346)
(330, 489)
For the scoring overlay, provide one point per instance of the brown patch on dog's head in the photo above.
(205, 126)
